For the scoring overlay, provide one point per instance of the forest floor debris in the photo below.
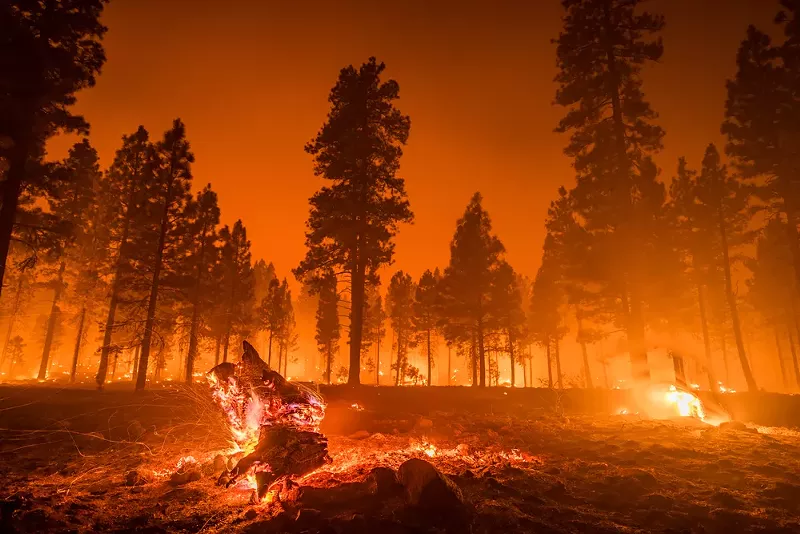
(93, 462)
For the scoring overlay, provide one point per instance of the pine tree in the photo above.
(263, 275)
(426, 313)
(546, 322)
(287, 337)
(16, 354)
(374, 329)
(50, 51)
(467, 283)
(21, 279)
(507, 309)
(762, 120)
(125, 191)
(238, 283)
(724, 209)
(601, 51)
(271, 311)
(328, 329)
(203, 219)
(400, 306)
(172, 159)
(352, 222)
(773, 272)
(74, 203)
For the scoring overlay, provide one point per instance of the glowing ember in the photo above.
(274, 423)
(357, 407)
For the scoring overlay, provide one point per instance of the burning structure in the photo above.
(274, 423)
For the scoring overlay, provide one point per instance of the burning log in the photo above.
(274, 422)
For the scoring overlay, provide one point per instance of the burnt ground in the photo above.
(532, 461)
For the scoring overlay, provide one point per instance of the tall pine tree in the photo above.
(601, 51)
(352, 222)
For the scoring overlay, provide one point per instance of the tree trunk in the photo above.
(737, 330)
(114, 365)
(712, 380)
(429, 357)
(12, 319)
(378, 359)
(136, 352)
(524, 372)
(481, 356)
(227, 344)
(511, 361)
(328, 357)
(549, 366)
(78, 340)
(449, 372)
(191, 355)
(216, 350)
(269, 354)
(784, 376)
(397, 374)
(286, 360)
(558, 365)
(724, 347)
(473, 355)
(678, 367)
(11, 188)
(794, 359)
(102, 369)
(356, 321)
(144, 356)
(52, 321)
(584, 353)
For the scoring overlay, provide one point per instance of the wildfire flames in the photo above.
(247, 410)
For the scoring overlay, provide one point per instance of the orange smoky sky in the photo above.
(250, 78)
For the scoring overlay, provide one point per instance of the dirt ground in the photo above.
(522, 465)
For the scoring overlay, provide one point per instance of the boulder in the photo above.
(383, 482)
(426, 487)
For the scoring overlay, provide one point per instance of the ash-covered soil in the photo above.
(84, 461)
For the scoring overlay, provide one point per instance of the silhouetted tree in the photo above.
(762, 120)
(74, 202)
(545, 317)
(49, 51)
(400, 306)
(328, 330)
(21, 279)
(237, 282)
(124, 189)
(475, 255)
(600, 53)
(773, 272)
(351, 223)
(271, 311)
(202, 219)
(172, 177)
(507, 309)
(426, 313)
(374, 329)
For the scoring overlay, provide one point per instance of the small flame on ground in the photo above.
(687, 404)
(357, 407)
